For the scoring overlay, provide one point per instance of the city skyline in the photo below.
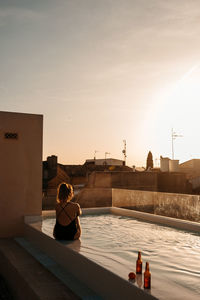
(102, 72)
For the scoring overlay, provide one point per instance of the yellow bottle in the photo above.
(147, 277)
(139, 264)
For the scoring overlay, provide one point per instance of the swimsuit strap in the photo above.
(63, 209)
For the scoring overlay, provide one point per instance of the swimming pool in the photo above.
(113, 242)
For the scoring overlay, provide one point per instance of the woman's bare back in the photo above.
(67, 212)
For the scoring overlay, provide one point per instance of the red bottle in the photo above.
(147, 277)
(139, 264)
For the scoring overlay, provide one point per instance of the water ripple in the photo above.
(113, 241)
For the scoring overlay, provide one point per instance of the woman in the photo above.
(67, 225)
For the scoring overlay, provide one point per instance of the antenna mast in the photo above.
(106, 156)
(174, 136)
(124, 152)
(95, 151)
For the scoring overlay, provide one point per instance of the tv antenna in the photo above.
(124, 152)
(174, 135)
(105, 156)
(95, 151)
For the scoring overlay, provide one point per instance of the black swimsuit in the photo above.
(65, 232)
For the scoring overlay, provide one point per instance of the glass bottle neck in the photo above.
(147, 266)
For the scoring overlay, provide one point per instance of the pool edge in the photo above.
(102, 281)
(158, 219)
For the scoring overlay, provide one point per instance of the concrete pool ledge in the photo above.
(157, 219)
(162, 220)
(105, 283)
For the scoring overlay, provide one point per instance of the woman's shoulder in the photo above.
(75, 205)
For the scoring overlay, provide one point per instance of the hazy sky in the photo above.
(101, 71)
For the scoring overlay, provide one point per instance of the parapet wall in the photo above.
(180, 206)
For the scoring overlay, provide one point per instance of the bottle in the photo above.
(147, 277)
(139, 264)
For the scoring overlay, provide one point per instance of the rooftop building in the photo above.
(105, 161)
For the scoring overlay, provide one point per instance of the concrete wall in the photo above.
(99, 180)
(95, 197)
(191, 164)
(164, 164)
(135, 180)
(21, 170)
(78, 180)
(191, 168)
(132, 180)
(195, 183)
(146, 181)
(169, 165)
(173, 183)
(180, 206)
(173, 165)
(139, 200)
(168, 204)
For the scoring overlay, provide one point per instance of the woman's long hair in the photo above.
(64, 192)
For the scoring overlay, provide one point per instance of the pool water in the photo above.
(114, 241)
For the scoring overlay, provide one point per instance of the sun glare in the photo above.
(180, 103)
(178, 108)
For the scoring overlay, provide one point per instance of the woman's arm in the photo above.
(78, 225)
(79, 211)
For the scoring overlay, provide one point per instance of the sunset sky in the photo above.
(104, 71)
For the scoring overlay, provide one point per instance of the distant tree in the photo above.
(149, 161)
